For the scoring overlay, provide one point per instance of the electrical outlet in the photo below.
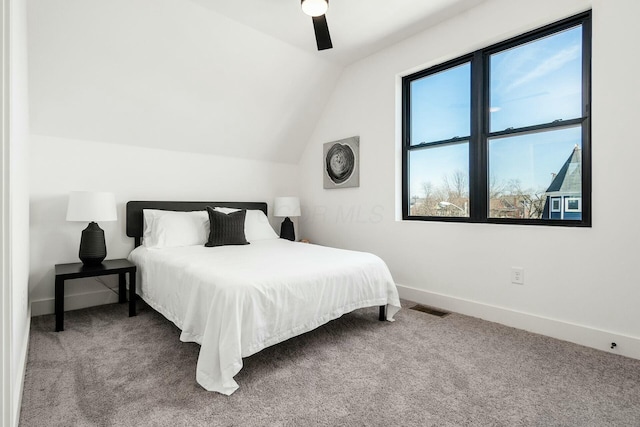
(517, 275)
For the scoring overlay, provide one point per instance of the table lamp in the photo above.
(286, 207)
(92, 206)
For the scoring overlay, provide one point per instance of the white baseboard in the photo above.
(584, 335)
(75, 301)
(22, 369)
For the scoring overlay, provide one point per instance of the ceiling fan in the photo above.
(316, 9)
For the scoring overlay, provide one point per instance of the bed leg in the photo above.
(383, 313)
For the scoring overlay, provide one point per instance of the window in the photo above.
(438, 159)
(502, 135)
(572, 204)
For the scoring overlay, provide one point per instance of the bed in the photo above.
(235, 300)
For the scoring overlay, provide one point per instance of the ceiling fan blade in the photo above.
(323, 39)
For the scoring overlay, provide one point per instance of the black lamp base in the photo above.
(93, 249)
(287, 231)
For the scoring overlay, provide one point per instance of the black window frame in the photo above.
(480, 131)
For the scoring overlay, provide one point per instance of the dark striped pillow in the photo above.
(226, 229)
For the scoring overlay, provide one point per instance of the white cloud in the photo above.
(554, 63)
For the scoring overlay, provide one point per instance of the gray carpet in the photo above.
(107, 369)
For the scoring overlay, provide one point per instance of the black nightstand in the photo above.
(78, 270)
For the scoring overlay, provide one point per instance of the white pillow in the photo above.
(166, 229)
(256, 224)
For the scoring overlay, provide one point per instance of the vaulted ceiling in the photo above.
(358, 27)
(232, 78)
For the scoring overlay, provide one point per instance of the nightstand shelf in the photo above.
(78, 270)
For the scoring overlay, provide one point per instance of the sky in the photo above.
(531, 84)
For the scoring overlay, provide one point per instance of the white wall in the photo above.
(59, 166)
(579, 282)
(171, 74)
(15, 209)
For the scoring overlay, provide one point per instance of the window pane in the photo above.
(536, 175)
(439, 180)
(537, 82)
(441, 105)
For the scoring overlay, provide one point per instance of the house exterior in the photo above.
(564, 195)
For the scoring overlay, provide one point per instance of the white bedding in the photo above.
(236, 300)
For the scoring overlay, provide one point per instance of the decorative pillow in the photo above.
(226, 229)
(166, 229)
(256, 224)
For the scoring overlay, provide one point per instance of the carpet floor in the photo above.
(107, 369)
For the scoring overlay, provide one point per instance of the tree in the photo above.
(455, 185)
(496, 187)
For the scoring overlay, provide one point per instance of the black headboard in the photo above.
(135, 222)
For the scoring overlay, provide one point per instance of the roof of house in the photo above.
(569, 179)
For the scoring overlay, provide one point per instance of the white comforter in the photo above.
(236, 300)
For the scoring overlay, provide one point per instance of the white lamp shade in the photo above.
(89, 206)
(286, 206)
(315, 7)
